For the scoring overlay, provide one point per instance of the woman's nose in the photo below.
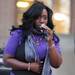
(42, 20)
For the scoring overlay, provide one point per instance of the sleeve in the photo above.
(12, 43)
(58, 48)
(57, 43)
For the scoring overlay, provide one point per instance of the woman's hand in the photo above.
(36, 67)
(49, 32)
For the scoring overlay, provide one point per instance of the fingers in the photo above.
(40, 68)
(40, 63)
(36, 67)
(46, 28)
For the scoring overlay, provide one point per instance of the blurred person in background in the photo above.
(33, 48)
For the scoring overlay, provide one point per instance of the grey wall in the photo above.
(7, 18)
(72, 17)
(68, 55)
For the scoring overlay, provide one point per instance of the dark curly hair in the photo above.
(31, 15)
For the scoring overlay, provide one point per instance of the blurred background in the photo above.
(63, 18)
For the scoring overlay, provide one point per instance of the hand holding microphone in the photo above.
(47, 30)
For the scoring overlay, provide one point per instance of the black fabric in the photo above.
(25, 73)
(20, 55)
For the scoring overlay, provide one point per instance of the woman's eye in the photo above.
(45, 18)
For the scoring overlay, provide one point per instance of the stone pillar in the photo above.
(72, 29)
(7, 18)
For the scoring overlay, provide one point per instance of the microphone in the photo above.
(47, 31)
(44, 29)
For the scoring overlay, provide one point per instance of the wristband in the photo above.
(28, 66)
(53, 45)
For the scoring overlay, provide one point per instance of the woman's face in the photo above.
(43, 19)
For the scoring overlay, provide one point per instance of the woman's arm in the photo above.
(9, 55)
(14, 63)
(10, 50)
(19, 65)
(54, 55)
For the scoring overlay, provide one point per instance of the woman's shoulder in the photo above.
(16, 30)
(16, 33)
